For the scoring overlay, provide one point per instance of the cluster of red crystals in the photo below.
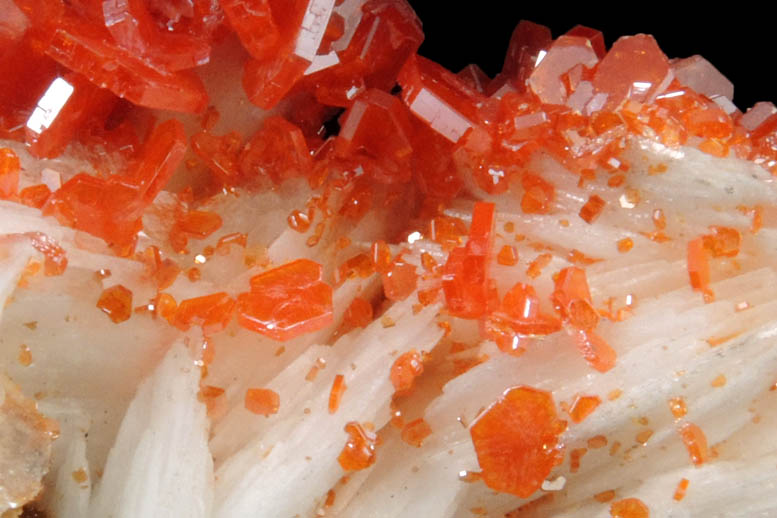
(517, 441)
(519, 316)
(111, 208)
(120, 47)
(211, 312)
(405, 370)
(286, 301)
(465, 280)
(367, 55)
(359, 451)
(572, 299)
(262, 401)
(301, 45)
(116, 302)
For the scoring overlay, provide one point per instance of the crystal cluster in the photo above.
(74, 70)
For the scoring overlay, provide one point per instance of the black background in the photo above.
(740, 41)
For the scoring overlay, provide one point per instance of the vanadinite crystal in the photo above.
(116, 302)
(359, 450)
(517, 441)
(90, 203)
(211, 312)
(286, 301)
(465, 274)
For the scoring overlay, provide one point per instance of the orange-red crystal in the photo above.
(287, 301)
(517, 441)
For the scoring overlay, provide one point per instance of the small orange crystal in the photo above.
(507, 256)
(262, 401)
(405, 370)
(582, 407)
(116, 302)
(695, 441)
(358, 314)
(336, 393)
(629, 508)
(415, 432)
(359, 451)
(592, 209)
(682, 487)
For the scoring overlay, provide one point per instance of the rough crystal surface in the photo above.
(517, 441)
